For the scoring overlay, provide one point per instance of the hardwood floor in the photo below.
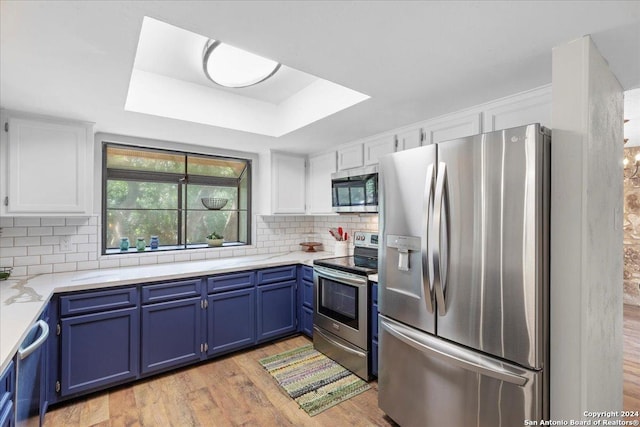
(236, 391)
(631, 357)
(229, 391)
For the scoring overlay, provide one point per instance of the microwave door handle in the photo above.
(427, 269)
(440, 242)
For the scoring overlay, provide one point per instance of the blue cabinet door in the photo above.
(307, 321)
(7, 395)
(231, 321)
(99, 350)
(171, 334)
(276, 310)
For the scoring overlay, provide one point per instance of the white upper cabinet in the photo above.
(320, 169)
(378, 147)
(452, 127)
(287, 183)
(48, 166)
(410, 138)
(351, 156)
(522, 109)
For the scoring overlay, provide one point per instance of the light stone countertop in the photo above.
(22, 301)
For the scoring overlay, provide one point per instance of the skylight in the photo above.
(167, 80)
(232, 67)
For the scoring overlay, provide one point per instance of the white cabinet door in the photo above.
(350, 157)
(320, 169)
(522, 109)
(410, 138)
(287, 184)
(377, 148)
(48, 169)
(452, 127)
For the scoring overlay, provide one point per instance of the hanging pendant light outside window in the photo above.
(232, 67)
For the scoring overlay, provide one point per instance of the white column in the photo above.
(586, 233)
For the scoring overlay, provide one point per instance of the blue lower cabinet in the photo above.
(307, 321)
(374, 357)
(99, 350)
(171, 334)
(231, 322)
(276, 310)
(7, 395)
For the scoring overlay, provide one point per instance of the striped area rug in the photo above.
(313, 380)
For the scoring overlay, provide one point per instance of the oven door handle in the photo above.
(347, 278)
(317, 330)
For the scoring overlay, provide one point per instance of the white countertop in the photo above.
(22, 301)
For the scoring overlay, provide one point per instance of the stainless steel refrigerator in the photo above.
(463, 281)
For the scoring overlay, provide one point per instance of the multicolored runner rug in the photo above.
(313, 380)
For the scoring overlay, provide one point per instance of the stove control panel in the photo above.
(365, 239)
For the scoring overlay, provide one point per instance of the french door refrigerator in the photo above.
(463, 281)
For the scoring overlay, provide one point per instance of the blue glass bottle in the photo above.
(154, 242)
(124, 244)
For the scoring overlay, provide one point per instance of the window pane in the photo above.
(201, 223)
(197, 192)
(136, 223)
(141, 195)
(226, 168)
(144, 160)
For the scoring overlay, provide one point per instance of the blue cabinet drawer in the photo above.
(374, 322)
(7, 381)
(374, 358)
(307, 273)
(276, 274)
(171, 291)
(88, 302)
(228, 282)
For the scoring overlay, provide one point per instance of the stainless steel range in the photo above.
(341, 305)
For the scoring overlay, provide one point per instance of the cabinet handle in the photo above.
(206, 347)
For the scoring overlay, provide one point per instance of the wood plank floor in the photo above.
(236, 391)
(229, 391)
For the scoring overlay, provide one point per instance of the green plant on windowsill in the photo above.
(215, 239)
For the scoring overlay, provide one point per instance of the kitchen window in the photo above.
(153, 192)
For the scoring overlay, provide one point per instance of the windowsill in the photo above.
(175, 249)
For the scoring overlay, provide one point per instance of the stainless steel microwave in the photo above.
(355, 190)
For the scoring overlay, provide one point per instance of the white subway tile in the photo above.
(64, 231)
(109, 263)
(69, 266)
(77, 221)
(79, 238)
(82, 256)
(26, 241)
(87, 229)
(88, 265)
(19, 271)
(40, 231)
(239, 252)
(40, 269)
(165, 258)
(93, 238)
(6, 262)
(40, 250)
(14, 231)
(6, 242)
(6, 221)
(15, 251)
(26, 222)
(212, 254)
(50, 240)
(129, 261)
(94, 220)
(52, 221)
(197, 256)
(182, 257)
(53, 259)
(147, 260)
(87, 247)
(93, 256)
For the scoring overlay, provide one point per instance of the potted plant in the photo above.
(215, 239)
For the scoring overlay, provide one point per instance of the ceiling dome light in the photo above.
(232, 67)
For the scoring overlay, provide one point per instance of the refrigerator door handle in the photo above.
(436, 347)
(440, 242)
(427, 270)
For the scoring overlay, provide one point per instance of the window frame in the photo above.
(180, 180)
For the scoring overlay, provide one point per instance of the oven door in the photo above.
(340, 304)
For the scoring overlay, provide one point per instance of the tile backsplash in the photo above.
(34, 245)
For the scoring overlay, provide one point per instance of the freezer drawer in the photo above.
(428, 382)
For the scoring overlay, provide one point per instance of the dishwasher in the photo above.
(29, 371)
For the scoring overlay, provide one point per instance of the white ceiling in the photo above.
(416, 59)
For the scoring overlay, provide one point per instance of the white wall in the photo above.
(586, 234)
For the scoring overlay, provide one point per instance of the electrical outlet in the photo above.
(65, 243)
